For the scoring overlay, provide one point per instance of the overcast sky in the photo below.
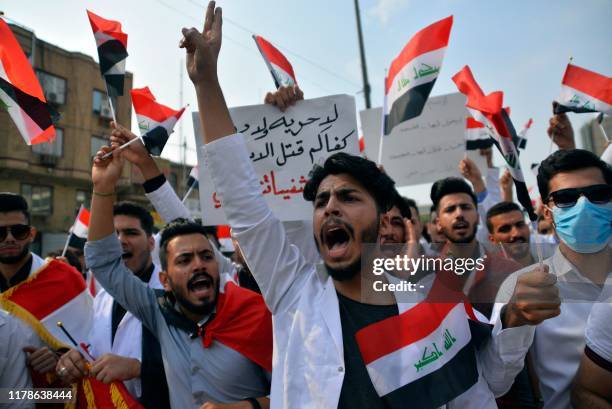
(520, 47)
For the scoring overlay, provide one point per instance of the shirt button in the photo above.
(340, 369)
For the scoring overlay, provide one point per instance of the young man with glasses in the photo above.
(575, 186)
(17, 262)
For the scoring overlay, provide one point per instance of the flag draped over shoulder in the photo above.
(155, 121)
(56, 292)
(112, 52)
(425, 355)
(279, 66)
(20, 92)
(488, 110)
(413, 73)
(584, 91)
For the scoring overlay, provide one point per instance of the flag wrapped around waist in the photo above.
(56, 292)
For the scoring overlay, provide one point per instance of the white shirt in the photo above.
(37, 263)
(128, 336)
(598, 334)
(559, 342)
(308, 360)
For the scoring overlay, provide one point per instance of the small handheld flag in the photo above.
(279, 66)
(584, 91)
(21, 94)
(79, 230)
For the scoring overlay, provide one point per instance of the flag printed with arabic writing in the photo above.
(20, 92)
(155, 121)
(488, 110)
(112, 52)
(425, 355)
(279, 66)
(413, 73)
(584, 91)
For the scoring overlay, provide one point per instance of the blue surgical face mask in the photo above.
(584, 227)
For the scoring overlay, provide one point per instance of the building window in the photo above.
(96, 143)
(53, 87)
(55, 148)
(83, 197)
(39, 198)
(100, 104)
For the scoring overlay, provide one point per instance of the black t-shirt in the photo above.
(357, 389)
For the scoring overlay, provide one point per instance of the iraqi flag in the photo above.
(92, 393)
(476, 135)
(112, 52)
(584, 91)
(413, 73)
(20, 92)
(56, 292)
(192, 180)
(279, 66)
(488, 110)
(425, 355)
(521, 141)
(156, 121)
(79, 230)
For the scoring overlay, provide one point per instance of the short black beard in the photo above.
(465, 240)
(369, 235)
(202, 309)
(16, 259)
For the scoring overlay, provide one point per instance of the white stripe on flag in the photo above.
(571, 97)
(145, 124)
(80, 230)
(117, 69)
(405, 78)
(475, 134)
(283, 77)
(76, 316)
(397, 369)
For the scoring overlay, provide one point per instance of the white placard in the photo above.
(423, 149)
(284, 146)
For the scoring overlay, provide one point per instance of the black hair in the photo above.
(178, 227)
(402, 204)
(568, 160)
(500, 208)
(132, 209)
(449, 186)
(12, 202)
(376, 182)
(412, 203)
(72, 258)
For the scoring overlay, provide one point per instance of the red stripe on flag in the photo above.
(84, 216)
(432, 37)
(361, 144)
(223, 232)
(589, 82)
(471, 123)
(145, 104)
(109, 27)
(273, 55)
(16, 65)
(401, 330)
(52, 287)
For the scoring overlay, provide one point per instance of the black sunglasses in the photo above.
(597, 194)
(19, 231)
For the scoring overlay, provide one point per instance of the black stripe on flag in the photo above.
(408, 106)
(439, 387)
(474, 144)
(191, 181)
(40, 112)
(76, 242)
(521, 142)
(110, 53)
(114, 85)
(155, 140)
(561, 109)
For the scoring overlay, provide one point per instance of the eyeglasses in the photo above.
(597, 194)
(19, 231)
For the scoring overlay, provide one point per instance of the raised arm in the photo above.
(277, 265)
(103, 251)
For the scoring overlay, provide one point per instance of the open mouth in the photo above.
(200, 284)
(337, 239)
(126, 255)
(461, 226)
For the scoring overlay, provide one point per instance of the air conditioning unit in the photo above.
(48, 160)
(105, 112)
(52, 97)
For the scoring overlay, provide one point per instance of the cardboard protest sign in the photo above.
(284, 146)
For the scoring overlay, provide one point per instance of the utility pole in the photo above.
(364, 68)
